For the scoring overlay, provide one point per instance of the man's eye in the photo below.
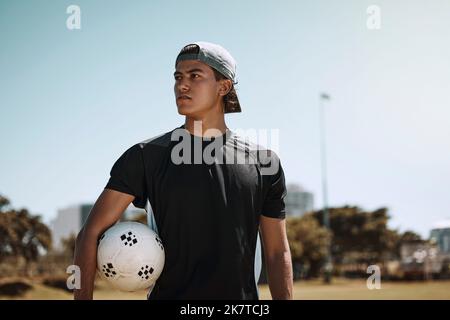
(194, 75)
(177, 77)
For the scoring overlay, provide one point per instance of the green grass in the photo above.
(339, 289)
(344, 289)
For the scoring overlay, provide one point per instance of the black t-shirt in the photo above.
(207, 213)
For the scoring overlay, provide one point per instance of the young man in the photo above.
(207, 204)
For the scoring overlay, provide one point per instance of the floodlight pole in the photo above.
(328, 267)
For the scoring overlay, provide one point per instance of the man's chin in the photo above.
(186, 110)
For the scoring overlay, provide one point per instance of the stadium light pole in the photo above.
(328, 268)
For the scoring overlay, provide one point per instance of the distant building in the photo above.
(419, 259)
(70, 220)
(440, 234)
(298, 201)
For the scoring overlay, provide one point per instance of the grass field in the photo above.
(344, 289)
(340, 289)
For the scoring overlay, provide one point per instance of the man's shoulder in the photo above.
(253, 148)
(162, 140)
(266, 158)
(150, 149)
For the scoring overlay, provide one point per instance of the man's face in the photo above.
(196, 89)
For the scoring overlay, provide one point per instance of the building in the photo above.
(440, 234)
(298, 201)
(423, 259)
(70, 220)
(419, 260)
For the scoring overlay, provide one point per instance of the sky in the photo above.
(72, 101)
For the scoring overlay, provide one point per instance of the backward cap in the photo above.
(214, 55)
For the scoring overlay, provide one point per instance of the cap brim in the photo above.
(233, 106)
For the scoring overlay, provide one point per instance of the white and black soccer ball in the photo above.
(130, 256)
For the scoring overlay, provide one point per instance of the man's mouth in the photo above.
(183, 97)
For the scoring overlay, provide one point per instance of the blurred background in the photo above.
(358, 91)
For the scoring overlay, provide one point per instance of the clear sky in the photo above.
(71, 101)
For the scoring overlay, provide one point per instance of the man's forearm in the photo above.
(279, 271)
(86, 259)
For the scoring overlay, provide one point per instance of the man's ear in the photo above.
(225, 86)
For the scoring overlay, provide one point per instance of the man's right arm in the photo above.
(107, 210)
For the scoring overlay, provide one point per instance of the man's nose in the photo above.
(183, 85)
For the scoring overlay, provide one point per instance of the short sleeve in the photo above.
(274, 205)
(128, 175)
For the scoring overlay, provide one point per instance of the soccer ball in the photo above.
(130, 256)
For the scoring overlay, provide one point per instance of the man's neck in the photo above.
(206, 127)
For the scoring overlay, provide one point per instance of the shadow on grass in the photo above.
(14, 288)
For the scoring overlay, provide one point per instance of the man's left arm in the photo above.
(278, 257)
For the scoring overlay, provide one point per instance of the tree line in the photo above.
(355, 236)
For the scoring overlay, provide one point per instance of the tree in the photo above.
(3, 203)
(359, 236)
(308, 242)
(405, 237)
(410, 236)
(68, 245)
(22, 234)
